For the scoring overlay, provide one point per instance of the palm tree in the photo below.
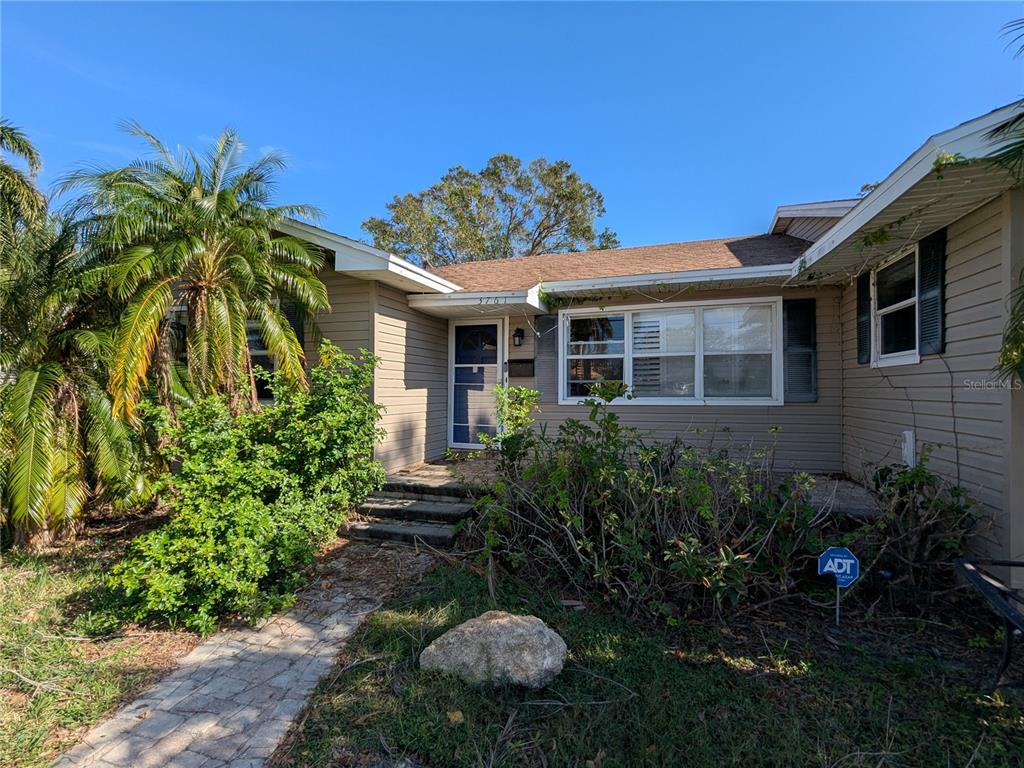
(20, 200)
(198, 233)
(59, 441)
(1008, 140)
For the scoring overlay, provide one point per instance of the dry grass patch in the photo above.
(63, 666)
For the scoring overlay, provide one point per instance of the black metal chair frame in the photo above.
(1004, 601)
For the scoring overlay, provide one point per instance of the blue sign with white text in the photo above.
(841, 563)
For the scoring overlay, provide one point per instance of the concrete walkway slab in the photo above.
(231, 700)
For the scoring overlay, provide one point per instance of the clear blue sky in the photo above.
(694, 120)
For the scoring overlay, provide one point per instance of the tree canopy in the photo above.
(20, 201)
(198, 232)
(506, 210)
(59, 442)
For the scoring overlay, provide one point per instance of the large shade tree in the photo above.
(508, 209)
(197, 233)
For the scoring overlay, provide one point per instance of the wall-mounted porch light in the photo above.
(517, 337)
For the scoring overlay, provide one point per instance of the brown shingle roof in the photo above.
(527, 271)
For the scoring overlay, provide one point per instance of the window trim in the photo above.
(627, 310)
(907, 357)
(566, 357)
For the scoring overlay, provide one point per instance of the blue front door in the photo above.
(476, 368)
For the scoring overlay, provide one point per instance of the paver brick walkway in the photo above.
(233, 697)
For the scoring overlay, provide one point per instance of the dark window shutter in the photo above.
(800, 350)
(295, 320)
(931, 287)
(546, 357)
(864, 318)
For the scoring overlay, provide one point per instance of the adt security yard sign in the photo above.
(843, 565)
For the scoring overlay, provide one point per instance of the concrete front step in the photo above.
(434, 534)
(436, 509)
(413, 495)
(422, 486)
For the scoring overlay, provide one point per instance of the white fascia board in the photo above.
(426, 280)
(826, 209)
(353, 257)
(967, 139)
(526, 300)
(763, 272)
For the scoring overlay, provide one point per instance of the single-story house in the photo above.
(851, 334)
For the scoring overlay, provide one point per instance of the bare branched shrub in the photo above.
(657, 527)
(666, 529)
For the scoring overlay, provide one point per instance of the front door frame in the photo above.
(501, 378)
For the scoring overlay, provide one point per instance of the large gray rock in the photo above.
(497, 648)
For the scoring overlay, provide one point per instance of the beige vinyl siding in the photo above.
(524, 352)
(807, 437)
(411, 382)
(935, 398)
(349, 321)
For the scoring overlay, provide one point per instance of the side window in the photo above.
(595, 353)
(895, 312)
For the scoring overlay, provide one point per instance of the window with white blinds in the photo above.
(695, 353)
(664, 353)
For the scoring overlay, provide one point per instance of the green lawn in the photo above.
(59, 674)
(780, 690)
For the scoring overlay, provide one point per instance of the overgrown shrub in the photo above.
(661, 528)
(256, 495)
(654, 526)
(923, 525)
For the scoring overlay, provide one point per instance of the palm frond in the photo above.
(108, 440)
(134, 128)
(29, 409)
(1015, 31)
(19, 198)
(15, 141)
(281, 342)
(302, 285)
(96, 343)
(182, 390)
(136, 338)
(67, 490)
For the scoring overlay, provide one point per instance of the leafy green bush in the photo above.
(515, 407)
(661, 528)
(255, 497)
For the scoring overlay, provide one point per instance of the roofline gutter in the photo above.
(763, 272)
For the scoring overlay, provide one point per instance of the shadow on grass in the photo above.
(746, 693)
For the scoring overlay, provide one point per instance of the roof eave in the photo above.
(462, 304)
(369, 263)
(967, 139)
(825, 209)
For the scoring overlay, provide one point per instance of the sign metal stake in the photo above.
(842, 564)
